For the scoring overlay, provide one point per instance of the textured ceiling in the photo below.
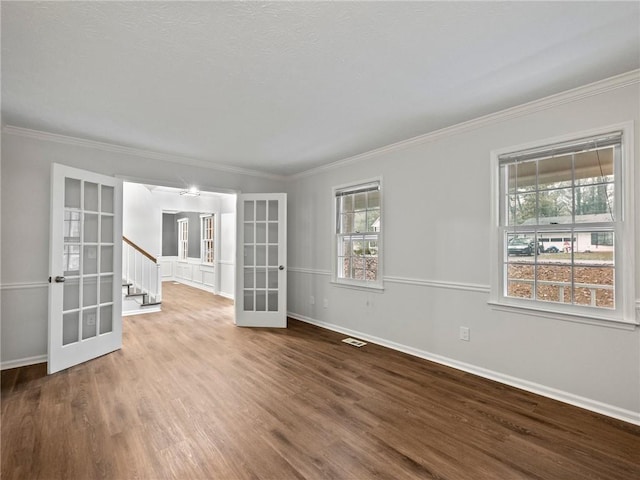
(285, 87)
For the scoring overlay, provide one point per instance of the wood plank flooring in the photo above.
(192, 396)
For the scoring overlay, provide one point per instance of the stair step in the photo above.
(150, 304)
(135, 293)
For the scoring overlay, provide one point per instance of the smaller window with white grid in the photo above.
(207, 240)
(358, 235)
(183, 239)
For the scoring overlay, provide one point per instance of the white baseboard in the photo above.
(201, 286)
(560, 395)
(226, 295)
(142, 311)
(23, 362)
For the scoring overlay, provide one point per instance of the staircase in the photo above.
(145, 299)
(141, 280)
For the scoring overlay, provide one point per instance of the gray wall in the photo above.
(437, 224)
(169, 235)
(25, 183)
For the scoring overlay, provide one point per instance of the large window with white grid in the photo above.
(563, 222)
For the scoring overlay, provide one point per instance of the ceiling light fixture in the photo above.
(192, 192)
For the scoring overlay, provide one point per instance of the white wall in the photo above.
(213, 279)
(26, 170)
(141, 218)
(227, 254)
(436, 249)
(171, 201)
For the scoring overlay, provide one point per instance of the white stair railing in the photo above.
(141, 270)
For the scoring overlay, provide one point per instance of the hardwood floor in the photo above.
(192, 396)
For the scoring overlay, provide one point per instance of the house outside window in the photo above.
(183, 239)
(207, 239)
(563, 221)
(358, 234)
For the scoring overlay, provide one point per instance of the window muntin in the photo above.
(559, 218)
(358, 234)
(183, 238)
(207, 240)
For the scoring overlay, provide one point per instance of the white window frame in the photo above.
(378, 284)
(624, 315)
(204, 240)
(183, 239)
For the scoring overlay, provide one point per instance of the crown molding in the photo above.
(114, 148)
(578, 93)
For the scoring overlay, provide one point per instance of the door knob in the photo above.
(281, 267)
(60, 279)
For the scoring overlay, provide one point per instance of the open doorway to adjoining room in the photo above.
(176, 235)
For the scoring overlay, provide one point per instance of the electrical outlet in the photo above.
(325, 303)
(312, 300)
(464, 333)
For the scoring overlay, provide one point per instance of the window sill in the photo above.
(377, 288)
(575, 317)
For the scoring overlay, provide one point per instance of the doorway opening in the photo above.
(176, 235)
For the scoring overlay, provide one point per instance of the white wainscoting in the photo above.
(227, 277)
(195, 274)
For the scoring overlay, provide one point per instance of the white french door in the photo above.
(261, 276)
(85, 291)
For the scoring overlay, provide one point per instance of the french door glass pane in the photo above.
(248, 255)
(107, 199)
(261, 301)
(72, 193)
(261, 255)
(90, 227)
(273, 278)
(90, 196)
(71, 226)
(106, 259)
(261, 278)
(89, 320)
(273, 233)
(89, 291)
(106, 289)
(71, 294)
(248, 300)
(248, 233)
(273, 301)
(261, 210)
(261, 232)
(106, 319)
(273, 210)
(70, 328)
(71, 260)
(249, 211)
(106, 234)
(90, 259)
(248, 278)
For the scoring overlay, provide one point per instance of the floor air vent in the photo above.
(354, 342)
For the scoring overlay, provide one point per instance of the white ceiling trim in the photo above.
(593, 89)
(585, 91)
(114, 148)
